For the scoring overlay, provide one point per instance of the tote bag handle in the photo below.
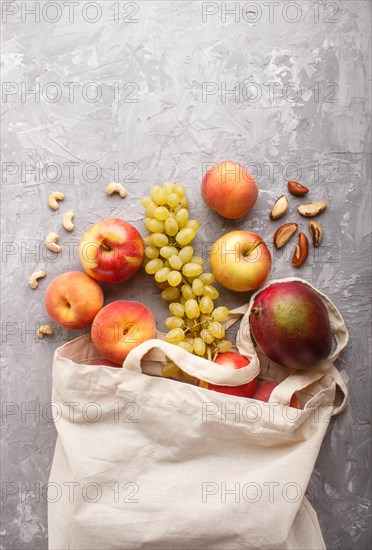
(193, 364)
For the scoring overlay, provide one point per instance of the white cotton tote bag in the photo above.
(144, 462)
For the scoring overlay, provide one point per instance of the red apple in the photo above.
(264, 390)
(229, 189)
(240, 261)
(73, 299)
(111, 251)
(232, 360)
(120, 327)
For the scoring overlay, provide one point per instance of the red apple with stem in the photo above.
(111, 251)
(240, 260)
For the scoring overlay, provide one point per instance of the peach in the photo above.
(121, 326)
(73, 300)
(229, 189)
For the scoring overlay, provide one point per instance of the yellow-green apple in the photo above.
(229, 189)
(120, 327)
(265, 389)
(111, 251)
(73, 300)
(232, 360)
(290, 324)
(240, 260)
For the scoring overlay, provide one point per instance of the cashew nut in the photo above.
(44, 329)
(115, 187)
(51, 240)
(53, 198)
(67, 221)
(34, 277)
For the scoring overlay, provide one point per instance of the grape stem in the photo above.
(195, 325)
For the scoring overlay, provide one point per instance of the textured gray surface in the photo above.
(300, 112)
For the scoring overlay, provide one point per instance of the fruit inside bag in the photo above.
(312, 364)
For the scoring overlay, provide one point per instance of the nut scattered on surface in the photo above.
(297, 189)
(312, 209)
(316, 233)
(280, 208)
(54, 198)
(44, 329)
(284, 233)
(33, 280)
(301, 251)
(51, 242)
(115, 187)
(67, 221)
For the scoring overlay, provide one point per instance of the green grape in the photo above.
(211, 292)
(184, 202)
(187, 292)
(186, 254)
(197, 260)
(197, 287)
(186, 346)
(194, 224)
(185, 236)
(171, 227)
(224, 346)
(155, 226)
(206, 305)
(220, 313)
(145, 201)
(176, 309)
(179, 189)
(216, 329)
(199, 346)
(170, 294)
(162, 275)
(192, 309)
(173, 322)
(175, 262)
(182, 300)
(173, 200)
(168, 187)
(153, 266)
(147, 240)
(161, 213)
(206, 278)
(167, 264)
(174, 278)
(168, 251)
(154, 189)
(175, 336)
(182, 217)
(159, 240)
(206, 336)
(169, 370)
(162, 285)
(151, 252)
(150, 209)
(160, 196)
(192, 270)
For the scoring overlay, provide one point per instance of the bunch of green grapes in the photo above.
(195, 324)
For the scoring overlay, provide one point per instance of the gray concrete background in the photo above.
(138, 89)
